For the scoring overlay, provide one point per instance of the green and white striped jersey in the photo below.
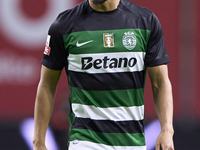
(105, 55)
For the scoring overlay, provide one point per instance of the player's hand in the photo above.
(39, 147)
(165, 141)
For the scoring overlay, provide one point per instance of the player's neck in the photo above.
(108, 5)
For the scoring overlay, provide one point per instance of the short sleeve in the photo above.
(156, 53)
(54, 55)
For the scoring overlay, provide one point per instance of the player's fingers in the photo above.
(166, 148)
(158, 147)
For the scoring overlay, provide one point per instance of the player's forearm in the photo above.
(163, 101)
(42, 114)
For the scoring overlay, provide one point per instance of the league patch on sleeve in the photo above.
(47, 48)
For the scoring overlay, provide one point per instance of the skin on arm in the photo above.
(163, 101)
(44, 105)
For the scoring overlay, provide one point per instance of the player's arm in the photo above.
(163, 101)
(44, 105)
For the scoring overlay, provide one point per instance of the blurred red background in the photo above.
(21, 53)
(23, 30)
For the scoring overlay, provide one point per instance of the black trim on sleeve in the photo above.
(158, 62)
(50, 65)
(156, 51)
(57, 57)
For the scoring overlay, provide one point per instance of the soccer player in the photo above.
(106, 47)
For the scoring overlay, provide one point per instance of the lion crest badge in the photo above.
(129, 40)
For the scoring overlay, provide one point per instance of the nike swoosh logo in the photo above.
(81, 44)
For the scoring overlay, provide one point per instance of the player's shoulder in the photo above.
(74, 12)
(68, 15)
(136, 9)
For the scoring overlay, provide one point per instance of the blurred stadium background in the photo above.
(23, 30)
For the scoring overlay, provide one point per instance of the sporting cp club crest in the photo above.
(129, 40)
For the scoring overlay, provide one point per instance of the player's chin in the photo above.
(98, 2)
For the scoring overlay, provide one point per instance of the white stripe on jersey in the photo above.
(111, 113)
(75, 62)
(85, 145)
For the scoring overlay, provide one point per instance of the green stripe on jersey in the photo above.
(95, 41)
(112, 139)
(105, 99)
